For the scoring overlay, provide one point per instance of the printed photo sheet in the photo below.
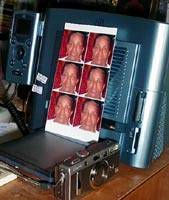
(80, 82)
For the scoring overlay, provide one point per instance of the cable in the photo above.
(14, 94)
(6, 91)
(5, 95)
(16, 117)
(26, 106)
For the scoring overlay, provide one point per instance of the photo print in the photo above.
(94, 82)
(100, 49)
(88, 115)
(80, 82)
(67, 77)
(73, 46)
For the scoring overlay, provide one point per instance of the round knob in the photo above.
(82, 153)
(19, 52)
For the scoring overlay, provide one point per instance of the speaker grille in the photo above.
(159, 141)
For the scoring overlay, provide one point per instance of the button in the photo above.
(19, 52)
(13, 41)
(12, 62)
(24, 65)
(28, 43)
(76, 160)
(17, 73)
(82, 153)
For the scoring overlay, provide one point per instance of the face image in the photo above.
(101, 51)
(69, 78)
(75, 47)
(63, 109)
(90, 116)
(95, 83)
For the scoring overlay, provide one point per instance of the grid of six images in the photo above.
(80, 81)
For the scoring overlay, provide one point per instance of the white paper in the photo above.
(85, 100)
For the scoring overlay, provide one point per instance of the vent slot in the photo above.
(121, 77)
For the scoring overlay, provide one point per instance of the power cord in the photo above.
(18, 119)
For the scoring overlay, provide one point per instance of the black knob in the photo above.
(19, 52)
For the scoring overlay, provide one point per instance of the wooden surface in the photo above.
(129, 184)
